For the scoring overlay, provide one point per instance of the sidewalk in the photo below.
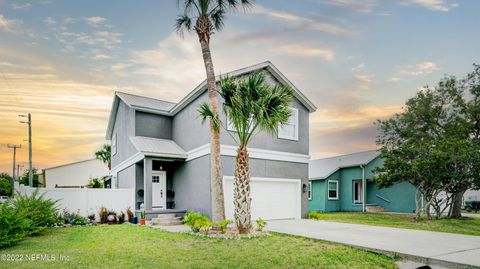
(443, 249)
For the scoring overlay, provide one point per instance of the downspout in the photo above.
(364, 188)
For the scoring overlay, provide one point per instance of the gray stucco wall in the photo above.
(152, 125)
(274, 169)
(191, 183)
(126, 178)
(124, 128)
(187, 121)
(187, 130)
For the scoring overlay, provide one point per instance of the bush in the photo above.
(72, 218)
(95, 183)
(222, 225)
(121, 217)
(314, 215)
(25, 215)
(35, 209)
(6, 184)
(261, 223)
(197, 221)
(13, 227)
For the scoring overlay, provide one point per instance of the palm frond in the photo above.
(183, 22)
(207, 113)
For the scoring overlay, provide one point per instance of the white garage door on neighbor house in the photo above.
(272, 198)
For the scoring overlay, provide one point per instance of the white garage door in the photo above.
(272, 198)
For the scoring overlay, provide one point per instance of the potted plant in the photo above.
(142, 214)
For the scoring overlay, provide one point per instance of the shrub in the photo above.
(261, 223)
(6, 184)
(103, 213)
(37, 210)
(121, 217)
(91, 217)
(197, 221)
(13, 227)
(72, 218)
(314, 215)
(95, 183)
(222, 225)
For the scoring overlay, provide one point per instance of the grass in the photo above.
(469, 226)
(129, 246)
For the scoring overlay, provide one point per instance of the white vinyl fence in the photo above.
(87, 201)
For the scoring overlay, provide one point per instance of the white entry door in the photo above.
(272, 198)
(159, 189)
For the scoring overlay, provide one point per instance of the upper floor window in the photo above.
(114, 144)
(231, 127)
(290, 129)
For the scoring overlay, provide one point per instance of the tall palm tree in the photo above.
(251, 105)
(104, 155)
(205, 17)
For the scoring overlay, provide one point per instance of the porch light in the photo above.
(161, 168)
(304, 188)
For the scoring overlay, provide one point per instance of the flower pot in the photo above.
(134, 220)
(142, 222)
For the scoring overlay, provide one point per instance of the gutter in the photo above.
(364, 187)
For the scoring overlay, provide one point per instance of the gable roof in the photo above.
(161, 107)
(158, 147)
(323, 168)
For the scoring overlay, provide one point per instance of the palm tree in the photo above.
(104, 155)
(251, 106)
(205, 17)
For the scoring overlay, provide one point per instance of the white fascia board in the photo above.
(254, 153)
(128, 162)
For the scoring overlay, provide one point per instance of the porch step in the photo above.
(167, 220)
(375, 208)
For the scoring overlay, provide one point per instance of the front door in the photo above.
(159, 189)
(357, 191)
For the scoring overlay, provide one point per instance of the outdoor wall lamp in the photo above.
(304, 188)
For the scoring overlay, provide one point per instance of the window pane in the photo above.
(332, 193)
(287, 130)
(332, 185)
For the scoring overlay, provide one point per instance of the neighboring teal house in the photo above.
(344, 183)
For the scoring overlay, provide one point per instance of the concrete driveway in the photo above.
(443, 249)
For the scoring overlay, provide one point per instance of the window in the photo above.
(309, 192)
(114, 144)
(332, 189)
(290, 129)
(155, 179)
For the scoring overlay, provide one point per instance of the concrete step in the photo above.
(375, 208)
(167, 216)
(159, 222)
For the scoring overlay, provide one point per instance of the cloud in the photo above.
(95, 21)
(365, 78)
(21, 6)
(418, 69)
(365, 6)
(9, 25)
(298, 21)
(305, 51)
(359, 67)
(436, 5)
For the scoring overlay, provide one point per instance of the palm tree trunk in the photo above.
(241, 191)
(216, 180)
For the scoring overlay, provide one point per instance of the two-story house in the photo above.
(162, 150)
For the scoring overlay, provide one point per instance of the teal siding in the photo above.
(401, 196)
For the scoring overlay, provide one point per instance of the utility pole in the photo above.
(18, 169)
(30, 172)
(14, 147)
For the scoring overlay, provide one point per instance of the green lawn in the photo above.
(129, 246)
(460, 226)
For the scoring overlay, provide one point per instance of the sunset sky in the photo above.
(356, 60)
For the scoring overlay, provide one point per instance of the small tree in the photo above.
(25, 181)
(251, 106)
(105, 155)
(6, 184)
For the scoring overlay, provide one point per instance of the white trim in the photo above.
(128, 162)
(298, 182)
(254, 153)
(357, 181)
(113, 145)
(328, 190)
(295, 136)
